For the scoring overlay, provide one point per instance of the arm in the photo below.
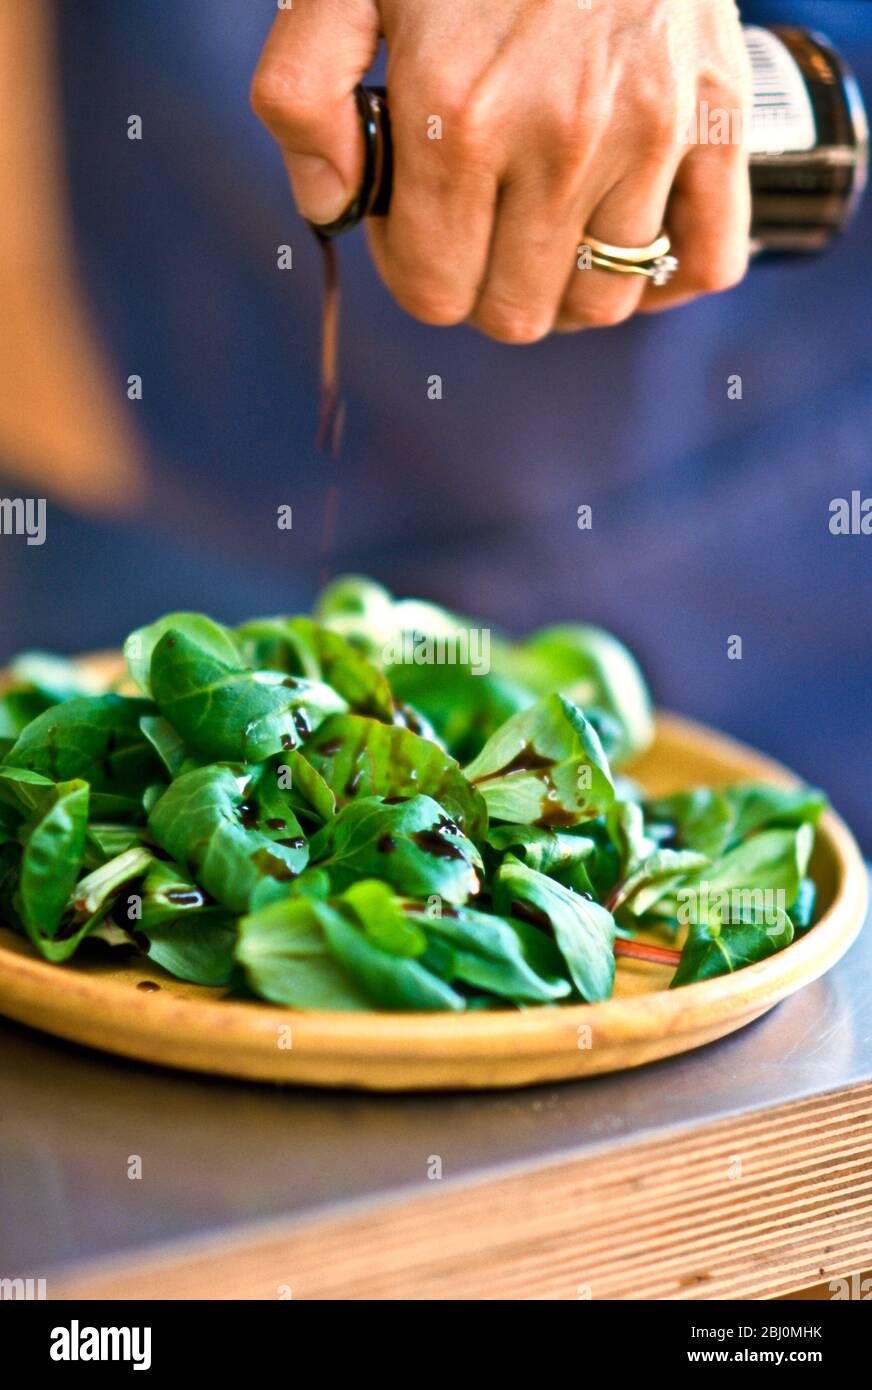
(62, 426)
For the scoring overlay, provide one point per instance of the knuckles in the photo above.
(509, 323)
(657, 126)
(431, 306)
(606, 315)
(471, 123)
(566, 134)
(606, 312)
(725, 87)
(716, 274)
(282, 97)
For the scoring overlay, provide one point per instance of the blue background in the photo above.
(710, 516)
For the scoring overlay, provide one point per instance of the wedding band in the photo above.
(653, 260)
(661, 246)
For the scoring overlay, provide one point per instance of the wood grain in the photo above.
(748, 1208)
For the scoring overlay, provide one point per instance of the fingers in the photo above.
(496, 182)
(303, 89)
(631, 214)
(709, 220)
(534, 241)
(432, 248)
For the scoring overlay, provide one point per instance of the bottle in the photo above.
(807, 143)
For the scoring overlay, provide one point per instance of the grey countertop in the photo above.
(219, 1156)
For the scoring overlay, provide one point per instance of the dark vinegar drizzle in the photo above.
(371, 200)
(331, 414)
(526, 760)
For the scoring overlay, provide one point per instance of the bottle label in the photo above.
(782, 116)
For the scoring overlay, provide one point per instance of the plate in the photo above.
(135, 1010)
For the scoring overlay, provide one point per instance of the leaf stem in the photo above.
(640, 950)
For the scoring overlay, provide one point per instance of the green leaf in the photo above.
(222, 712)
(583, 930)
(96, 894)
(382, 918)
(311, 883)
(465, 709)
(273, 644)
(211, 637)
(592, 669)
(286, 959)
(25, 791)
(199, 822)
(53, 850)
(95, 737)
(308, 791)
(549, 851)
(772, 861)
(756, 806)
(545, 767)
(715, 949)
(625, 824)
(198, 947)
(587, 862)
(359, 610)
(411, 844)
(98, 888)
(169, 892)
(268, 809)
(163, 738)
(701, 819)
(801, 910)
(360, 757)
(17, 709)
(654, 878)
(508, 958)
(391, 981)
(105, 840)
(351, 674)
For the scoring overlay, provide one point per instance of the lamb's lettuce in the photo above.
(409, 842)
(545, 767)
(359, 757)
(224, 711)
(300, 811)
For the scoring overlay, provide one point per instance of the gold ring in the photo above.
(660, 246)
(653, 260)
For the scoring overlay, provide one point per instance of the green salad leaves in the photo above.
(379, 807)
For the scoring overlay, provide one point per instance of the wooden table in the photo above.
(741, 1170)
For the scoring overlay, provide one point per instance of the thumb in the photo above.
(303, 91)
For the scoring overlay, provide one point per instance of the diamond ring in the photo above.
(654, 260)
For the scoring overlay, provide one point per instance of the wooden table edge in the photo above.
(746, 1207)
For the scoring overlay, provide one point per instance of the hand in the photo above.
(555, 120)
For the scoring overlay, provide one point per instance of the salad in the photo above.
(379, 807)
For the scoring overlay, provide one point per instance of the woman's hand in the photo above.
(519, 127)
